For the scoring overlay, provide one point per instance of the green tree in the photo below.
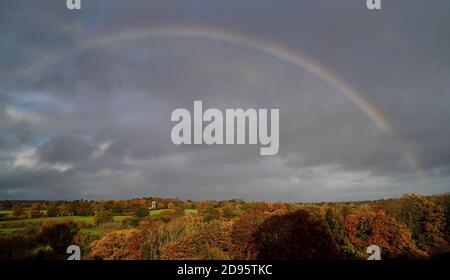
(84, 208)
(35, 213)
(425, 219)
(141, 211)
(335, 220)
(161, 205)
(228, 212)
(210, 214)
(35, 206)
(117, 209)
(365, 227)
(52, 211)
(102, 217)
(17, 210)
(59, 236)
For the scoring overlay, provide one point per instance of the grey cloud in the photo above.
(65, 149)
(121, 96)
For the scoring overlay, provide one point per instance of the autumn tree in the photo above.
(69, 208)
(102, 217)
(444, 202)
(84, 208)
(242, 233)
(36, 206)
(119, 245)
(52, 211)
(59, 236)
(188, 205)
(161, 205)
(295, 236)
(15, 247)
(171, 205)
(161, 232)
(167, 216)
(17, 210)
(117, 209)
(141, 211)
(34, 213)
(334, 218)
(365, 227)
(210, 214)
(425, 219)
(206, 241)
(229, 212)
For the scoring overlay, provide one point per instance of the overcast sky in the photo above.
(84, 116)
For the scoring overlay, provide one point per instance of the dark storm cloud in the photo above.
(97, 123)
(65, 149)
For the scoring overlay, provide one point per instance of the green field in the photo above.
(85, 219)
(57, 219)
(8, 213)
(94, 231)
(191, 211)
(160, 211)
(5, 213)
(120, 218)
(9, 230)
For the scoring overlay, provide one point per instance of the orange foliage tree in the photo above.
(365, 227)
(242, 233)
(207, 241)
(425, 219)
(119, 245)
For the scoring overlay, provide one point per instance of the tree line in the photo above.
(410, 227)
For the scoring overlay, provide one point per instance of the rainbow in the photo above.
(282, 53)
